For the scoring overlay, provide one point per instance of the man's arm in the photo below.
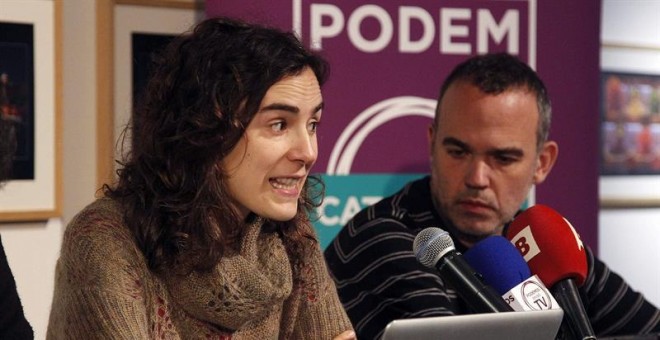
(613, 307)
(379, 279)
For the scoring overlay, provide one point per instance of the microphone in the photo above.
(503, 268)
(434, 248)
(500, 263)
(553, 250)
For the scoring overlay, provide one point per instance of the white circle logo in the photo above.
(536, 296)
(350, 140)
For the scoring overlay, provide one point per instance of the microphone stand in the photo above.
(576, 323)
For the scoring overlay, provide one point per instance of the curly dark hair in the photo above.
(499, 72)
(206, 87)
(7, 148)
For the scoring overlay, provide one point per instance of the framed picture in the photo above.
(125, 46)
(630, 135)
(630, 127)
(30, 92)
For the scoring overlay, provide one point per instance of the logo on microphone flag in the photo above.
(525, 243)
(530, 295)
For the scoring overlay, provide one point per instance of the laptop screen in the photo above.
(543, 324)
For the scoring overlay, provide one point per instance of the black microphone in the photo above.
(434, 248)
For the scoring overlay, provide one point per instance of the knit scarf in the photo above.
(244, 289)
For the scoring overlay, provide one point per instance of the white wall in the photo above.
(629, 239)
(32, 251)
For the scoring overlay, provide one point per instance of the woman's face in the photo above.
(269, 165)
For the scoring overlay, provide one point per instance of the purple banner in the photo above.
(389, 59)
(387, 62)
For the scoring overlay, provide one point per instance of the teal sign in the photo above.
(346, 195)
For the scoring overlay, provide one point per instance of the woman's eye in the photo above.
(279, 126)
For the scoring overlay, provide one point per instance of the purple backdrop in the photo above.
(568, 61)
(371, 65)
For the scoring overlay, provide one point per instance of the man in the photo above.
(485, 156)
(13, 324)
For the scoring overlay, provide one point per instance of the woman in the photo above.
(206, 234)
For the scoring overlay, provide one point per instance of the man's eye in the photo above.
(457, 153)
(503, 159)
(313, 126)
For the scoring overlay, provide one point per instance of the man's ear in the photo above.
(546, 159)
(429, 135)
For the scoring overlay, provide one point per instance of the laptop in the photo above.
(542, 324)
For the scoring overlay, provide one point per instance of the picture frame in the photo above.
(118, 21)
(630, 139)
(630, 124)
(30, 73)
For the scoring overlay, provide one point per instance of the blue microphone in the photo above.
(498, 262)
(502, 267)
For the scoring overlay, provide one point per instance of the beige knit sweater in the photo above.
(104, 290)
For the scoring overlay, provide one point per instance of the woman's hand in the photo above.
(347, 335)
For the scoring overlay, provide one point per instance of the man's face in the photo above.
(269, 165)
(484, 158)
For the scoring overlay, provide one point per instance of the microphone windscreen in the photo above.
(499, 263)
(550, 245)
(431, 244)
